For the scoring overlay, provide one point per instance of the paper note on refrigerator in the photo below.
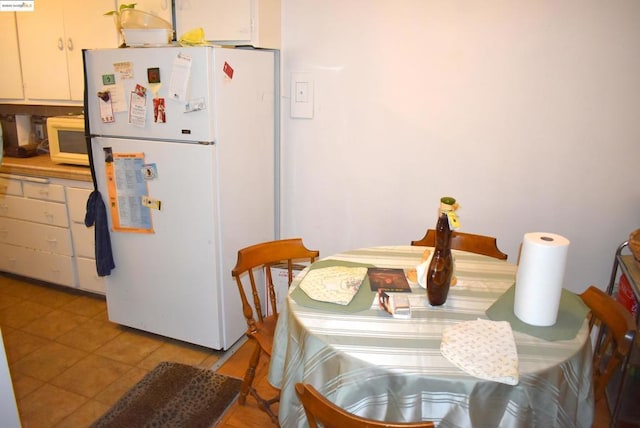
(180, 73)
(127, 187)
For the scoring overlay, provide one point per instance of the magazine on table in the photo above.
(388, 279)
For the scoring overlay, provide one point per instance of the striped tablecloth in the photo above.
(392, 369)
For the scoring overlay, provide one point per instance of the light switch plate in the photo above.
(302, 95)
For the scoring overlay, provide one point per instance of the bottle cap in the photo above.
(448, 205)
(448, 200)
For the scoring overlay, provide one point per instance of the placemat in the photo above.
(361, 301)
(571, 315)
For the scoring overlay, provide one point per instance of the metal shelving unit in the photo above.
(624, 387)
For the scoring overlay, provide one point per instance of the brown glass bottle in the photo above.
(441, 266)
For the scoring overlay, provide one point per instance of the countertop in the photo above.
(42, 166)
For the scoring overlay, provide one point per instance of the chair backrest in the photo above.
(320, 410)
(266, 255)
(478, 244)
(616, 335)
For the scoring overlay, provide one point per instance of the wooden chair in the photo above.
(261, 328)
(478, 244)
(320, 410)
(615, 338)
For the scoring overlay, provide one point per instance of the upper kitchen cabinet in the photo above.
(11, 81)
(51, 40)
(160, 8)
(232, 22)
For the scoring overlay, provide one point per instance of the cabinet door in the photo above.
(51, 42)
(28, 262)
(10, 187)
(77, 203)
(88, 279)
(42, 51)
(37, 236)
(44, 191)
(11, 81)
(51, 213)
(86, 27)
(84, 241)
(222, 20)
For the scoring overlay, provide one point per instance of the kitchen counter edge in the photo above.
(42, 166)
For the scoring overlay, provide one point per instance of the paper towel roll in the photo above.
(23, 129)
(539, 278)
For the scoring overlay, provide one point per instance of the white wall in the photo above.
(527, 112)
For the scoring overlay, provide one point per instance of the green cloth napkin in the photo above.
(360, 302)
(571, 315)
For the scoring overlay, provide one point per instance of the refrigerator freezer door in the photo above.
(178, 97)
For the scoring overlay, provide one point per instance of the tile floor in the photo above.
(68, 363)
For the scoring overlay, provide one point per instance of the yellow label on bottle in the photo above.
(454, 223)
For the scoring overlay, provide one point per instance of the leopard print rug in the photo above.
(173, 395)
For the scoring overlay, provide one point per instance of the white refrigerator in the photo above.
(184, 146)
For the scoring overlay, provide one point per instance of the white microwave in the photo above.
(66, 140)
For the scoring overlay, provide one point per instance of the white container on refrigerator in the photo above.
(216, 175)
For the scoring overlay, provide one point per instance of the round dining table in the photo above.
(374, 365)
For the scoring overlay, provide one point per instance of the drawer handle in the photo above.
(52, 241)
(43, 192)
(70, 44)
(60, 44)
(49, 216)
(4, 208)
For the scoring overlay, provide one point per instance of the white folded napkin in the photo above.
(422, 269)
(483, 348)
(333, 284)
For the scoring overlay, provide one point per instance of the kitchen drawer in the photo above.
(44, 191)
(77, 203)
(37, 236)
(83, 240)
(51, 213)
(88, 278)
(10, 187)
(50, 267)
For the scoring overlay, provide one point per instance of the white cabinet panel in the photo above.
(11, 82)
(88, 278)
(220, 19)
(10, 187)
(42, 52)
(86, 27)
(47, 192)
(77, 203)
(50, 267)
(37, 236)
(83, 236)
(234, 22)
(51, 213)
(45, 238)
(83, 240)
(51, 40)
